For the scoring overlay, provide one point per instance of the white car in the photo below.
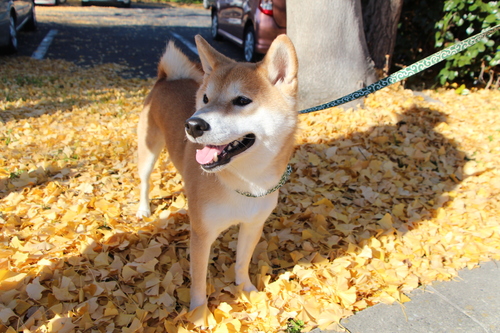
(49, 2)
(14, 16)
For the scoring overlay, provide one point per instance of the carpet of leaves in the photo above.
(382, 200)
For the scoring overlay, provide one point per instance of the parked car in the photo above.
(252, 24)
(14, 16)
(49, 2)
(121, 3)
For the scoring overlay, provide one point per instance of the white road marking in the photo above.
(44, 45)
(184, 41)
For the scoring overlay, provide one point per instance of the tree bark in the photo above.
(331, 47)
(381, 23)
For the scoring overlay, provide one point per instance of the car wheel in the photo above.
(31, 25)
(249, 44)
(215, 27)
(12, 47)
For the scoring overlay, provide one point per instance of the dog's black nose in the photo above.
(196, 127)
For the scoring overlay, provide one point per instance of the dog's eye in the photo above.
(205, 99)
(241, 101)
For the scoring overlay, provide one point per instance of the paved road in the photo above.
(469, 304)
(135, 37)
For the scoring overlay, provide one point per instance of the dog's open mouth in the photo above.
(211, 156)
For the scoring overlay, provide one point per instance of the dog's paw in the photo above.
(198, 306)
(143, 213)
(249, 287)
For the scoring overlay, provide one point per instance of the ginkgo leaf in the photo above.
(35, 289)
(61, 324)
(386, 221)
(149, 253)
(6, 314)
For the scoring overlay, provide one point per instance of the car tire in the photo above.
(214, 29)
(249, 44)
(12, 47)
(31, 24)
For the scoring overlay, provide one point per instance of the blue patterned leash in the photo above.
(408, 71)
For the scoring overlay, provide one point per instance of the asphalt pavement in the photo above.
(134, 38)
(469, 304)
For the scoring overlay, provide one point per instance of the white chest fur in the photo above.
(235, 208)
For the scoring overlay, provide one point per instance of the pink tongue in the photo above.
(206, 155)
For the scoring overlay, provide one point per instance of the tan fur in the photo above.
(214, 205)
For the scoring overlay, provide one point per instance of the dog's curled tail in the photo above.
(175, 65)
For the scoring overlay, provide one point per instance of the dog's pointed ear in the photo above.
(209, 57)
(281, 64)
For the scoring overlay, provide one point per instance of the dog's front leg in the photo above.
(201, 242)
(248, 238)
(150, 142)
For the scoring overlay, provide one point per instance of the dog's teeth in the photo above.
(216, 157)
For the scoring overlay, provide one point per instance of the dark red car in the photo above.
(252, 24)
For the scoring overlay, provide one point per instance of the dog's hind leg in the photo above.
(150, 144)
(248, 238)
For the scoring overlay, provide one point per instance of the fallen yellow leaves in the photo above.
(382, 200)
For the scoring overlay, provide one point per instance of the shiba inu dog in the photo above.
(229, 130)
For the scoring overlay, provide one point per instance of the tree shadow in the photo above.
(17, 182)
(405, 170)
(33, 110)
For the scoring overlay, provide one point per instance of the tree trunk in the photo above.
(381, 23)
(331, 47)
